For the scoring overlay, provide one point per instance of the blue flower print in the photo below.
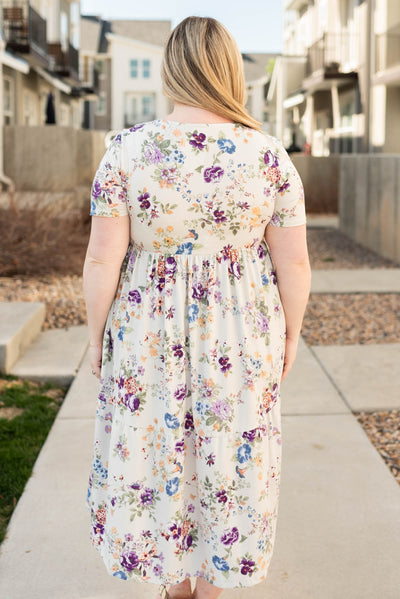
(264, 279)
(171, 421)
(172, 486)
(244, 453)
(120, 574)
(220, 563)
(193, 311)
(185, 248)
(226, 145)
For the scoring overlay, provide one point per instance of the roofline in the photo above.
(130, 40)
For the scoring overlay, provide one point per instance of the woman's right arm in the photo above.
(289, 253)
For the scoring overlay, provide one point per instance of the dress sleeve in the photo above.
(109, 187)
(289, 209)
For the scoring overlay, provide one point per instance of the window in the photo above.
(101, 103)
(146, 105)
(134, 68)
(100, 66)
(8, 95)
(146, 68)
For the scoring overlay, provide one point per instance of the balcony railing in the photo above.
(24, 29)
(388, 49)
(66, 63)
(333, 53)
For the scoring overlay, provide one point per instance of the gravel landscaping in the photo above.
(329, 248)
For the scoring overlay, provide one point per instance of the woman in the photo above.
(195, 292)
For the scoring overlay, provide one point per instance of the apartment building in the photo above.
(40, 64)
(336, 86)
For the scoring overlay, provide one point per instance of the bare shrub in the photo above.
(35, 241)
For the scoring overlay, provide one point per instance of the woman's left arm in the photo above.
(108, 244)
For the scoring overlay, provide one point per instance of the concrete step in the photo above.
(20, 324)
(55, 356)
(360, 280)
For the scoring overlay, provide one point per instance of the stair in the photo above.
(27, 352)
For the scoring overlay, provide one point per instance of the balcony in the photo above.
(388, 49)
(25, 31)
(335, 55)
(66, 64)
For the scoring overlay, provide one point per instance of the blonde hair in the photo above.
(202, 66)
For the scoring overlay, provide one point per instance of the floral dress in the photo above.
(187, 441)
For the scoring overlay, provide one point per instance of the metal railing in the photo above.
(333, 52)
(66, 63)
(387, 46)
(24, 29)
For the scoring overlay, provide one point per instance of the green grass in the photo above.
(22, 436)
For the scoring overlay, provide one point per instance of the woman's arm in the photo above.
(108, 243)
(289, 253)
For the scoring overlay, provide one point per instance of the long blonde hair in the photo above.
(202, 66)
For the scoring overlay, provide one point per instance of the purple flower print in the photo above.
(198, 140)
(178, 350)
(180, 445)
(96, 189)
(260, 251)
(224, 363)
(222, 496)
(190, 508)
(135, 128)
(270, 159)
(175, 531)
(262, 322)
(250, 435)
(117, 138)
(230, 536)
(129, 560)
(219, 216)
(146, 497)
(180, 392)
(234, 269)
(170, 265)
(153, 154)
(210, 459)
(144, 200)
(187, 541)
(134, 296)
(198, 291)
(283, 187)
(131, 401)
(213, 173)
(275, 219)
(189, 421)
(135, 486)
(222, 409)
(247, 567)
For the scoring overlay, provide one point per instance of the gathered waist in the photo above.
(228, 251)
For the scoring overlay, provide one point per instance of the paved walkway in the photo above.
(339, 515)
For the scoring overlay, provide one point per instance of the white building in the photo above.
(336, 86)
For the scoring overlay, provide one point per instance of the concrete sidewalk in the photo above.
(339, 513)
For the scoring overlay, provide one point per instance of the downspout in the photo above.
(3, 177)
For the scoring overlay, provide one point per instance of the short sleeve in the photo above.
(109, 187)
(289, 209)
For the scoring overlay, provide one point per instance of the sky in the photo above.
(256, 25)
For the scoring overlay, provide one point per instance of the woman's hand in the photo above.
(290, 355)
(95, 354)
